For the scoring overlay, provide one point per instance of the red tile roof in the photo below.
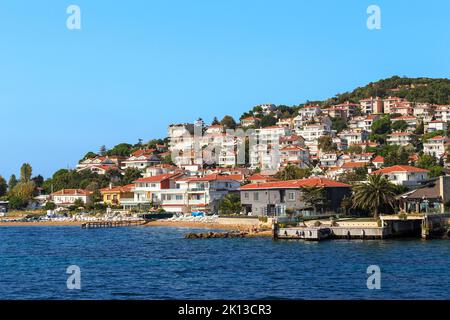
(399, 168)
(215, 177)
(295, 184)
(120, 189)
(158, 178)
(71, 192)
(378, 159)
(351, 165)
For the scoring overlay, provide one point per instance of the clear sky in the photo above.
(137, 66)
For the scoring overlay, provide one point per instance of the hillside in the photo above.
(436, 91)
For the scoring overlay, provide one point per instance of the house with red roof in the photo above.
(404, 175)
(436, 146)
(275, 197)
(119, 195)
(249, 121)
(141, 159)
(67, 197)
(378, 162)
(199, 193)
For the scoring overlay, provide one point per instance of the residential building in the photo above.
(249, 122)
(404, 175)
(118, 195)
(68, 197)
(371, 105)
(274, 198)
(400, 138)
(355, 136)
(436, 125)
(436, 146)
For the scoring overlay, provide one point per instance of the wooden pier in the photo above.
(112, 224)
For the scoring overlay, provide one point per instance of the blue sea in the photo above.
(158, 263)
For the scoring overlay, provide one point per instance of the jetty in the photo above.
(112, 224)
(425, 226)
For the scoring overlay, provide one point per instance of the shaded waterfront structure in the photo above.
(431, 198)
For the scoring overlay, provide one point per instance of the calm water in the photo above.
(157, 263)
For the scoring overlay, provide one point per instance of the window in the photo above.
(246, 195)
(291, 196)
(179, 197)
(256, 196)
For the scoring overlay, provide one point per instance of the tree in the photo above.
(103, 150)
(21, 194)
(38, 180)
(354, 149)
(315, 197)
(122, 149)
(228, 122)
(25, 172)
(89, 155)
(3, 186)
(291, 172)
(230, 204)
(50, 206)
(429, 162)
(78, 203)
(326, 144)
(399, 125)
(268, 121)
(376, 195)
(12, 182)
(215, 122)
(130, 175)
(338, 124)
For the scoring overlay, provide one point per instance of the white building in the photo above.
(436, 146)
(400, 138)
(403, 175)
(67, 197)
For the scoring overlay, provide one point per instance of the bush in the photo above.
(50, 206)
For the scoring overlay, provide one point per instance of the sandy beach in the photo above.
(158, 223)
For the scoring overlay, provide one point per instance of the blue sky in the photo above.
(137, 66)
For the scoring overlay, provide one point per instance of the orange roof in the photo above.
(158, 178)
(71, 192)
(378, 159)
(295, 184)
(399, 168)
(351, 165)
(216, 176)
(118, 189)
(143, 152)
(261, 177)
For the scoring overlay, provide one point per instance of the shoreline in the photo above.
(157, 223)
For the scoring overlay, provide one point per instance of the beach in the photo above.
(157, 223)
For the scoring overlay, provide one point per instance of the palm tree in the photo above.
(375, 195)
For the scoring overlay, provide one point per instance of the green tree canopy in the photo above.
(230, 204)
(228, 122)
(377, 195)
(25, 172)
(292, 172)
(3, 186)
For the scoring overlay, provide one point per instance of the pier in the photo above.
(112, 224)
(426, 226)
